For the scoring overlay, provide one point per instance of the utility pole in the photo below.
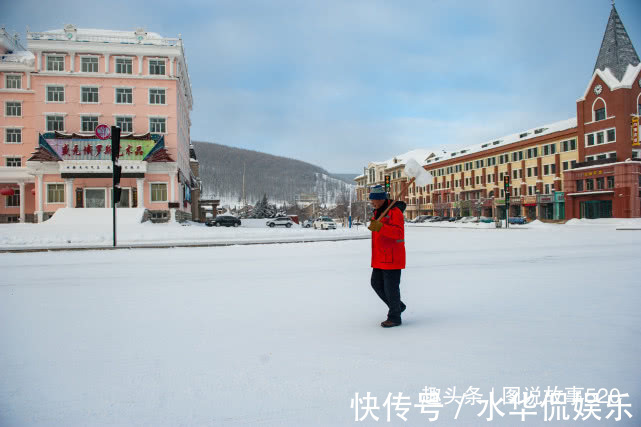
(244, 200)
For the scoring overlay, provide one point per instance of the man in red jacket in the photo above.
(388, 253)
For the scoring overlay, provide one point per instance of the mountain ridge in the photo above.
(282, 179)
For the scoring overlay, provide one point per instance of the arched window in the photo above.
(598, 110)
(491, 193)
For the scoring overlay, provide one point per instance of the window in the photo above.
(579, 185)
(55, 94)
(517, 155)
(569, 145)
(478, 180)
(88, 123)
(55, 193)
(611, 135)
(13, 162)
(599, 114)
(600, 183)
(611, 181)
(159, 192)
(549, 149)
(590, 140)
(13, 201)
(515, 174)
(600, 137)
(157, 67)
(566, 165)
(55, 63)
(157, 96)
(546, 189)
(157, 125)
(124, 95)
(123, 65)
(89, 95)
(13, 136)
(572, 164)
(55, 123)
(531, 190)
(532, 152)
(13, 109)
(13, 82)
(589, 184)
(89, 64)
(126, 124)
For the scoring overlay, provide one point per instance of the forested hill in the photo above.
(280, 178)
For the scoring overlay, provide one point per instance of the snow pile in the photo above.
(84, 232)
(413, 169)
(94, 216)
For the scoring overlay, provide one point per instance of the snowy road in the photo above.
(287, 334)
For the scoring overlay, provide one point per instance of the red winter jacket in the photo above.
(388, 244)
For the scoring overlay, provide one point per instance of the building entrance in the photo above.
(596, 209)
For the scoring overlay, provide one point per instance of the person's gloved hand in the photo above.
(375, 226)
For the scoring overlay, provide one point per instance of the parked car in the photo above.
(357, 223)
(422, 218)
(435, 219)
(307, 223)
(452, 219)
(281, 221)
(518, 220)
(486, 219)
(467, 219)
(226, 220)
(324, 223)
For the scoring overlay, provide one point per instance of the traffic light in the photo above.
(115, 143)
(388, 183)
(117, 174)
(506, 182)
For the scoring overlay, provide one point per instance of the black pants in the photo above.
(387, 283)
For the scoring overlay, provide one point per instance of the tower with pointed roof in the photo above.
(617, 51)
(607, 159)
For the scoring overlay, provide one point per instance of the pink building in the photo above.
(54, 94)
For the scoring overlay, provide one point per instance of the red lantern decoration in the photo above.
(33, 191)
(6, 191)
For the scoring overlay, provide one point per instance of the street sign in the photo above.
(103, 132)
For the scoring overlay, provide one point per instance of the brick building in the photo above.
(583, 167)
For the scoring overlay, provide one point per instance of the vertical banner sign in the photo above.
(635, 131)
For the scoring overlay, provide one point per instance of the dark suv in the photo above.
(226, 220)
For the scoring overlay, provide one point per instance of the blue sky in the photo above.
(341, 83)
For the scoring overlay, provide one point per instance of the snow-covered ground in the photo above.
(287, 334)
(73, 228)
